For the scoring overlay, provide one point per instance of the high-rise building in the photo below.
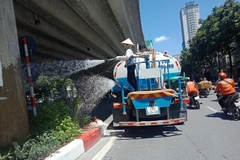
(190, 16)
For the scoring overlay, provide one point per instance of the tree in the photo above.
(217, 35)
(185, 61)
(229, 27)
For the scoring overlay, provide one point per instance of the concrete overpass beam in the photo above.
(54, 45)
(62, 15)
(128, 16)
(134, 11)
(25, 21)
(99, 16)
(120, 10)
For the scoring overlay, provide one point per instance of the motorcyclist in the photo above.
(192, 91)
(218, 79)
(226, 87)
(191, 88)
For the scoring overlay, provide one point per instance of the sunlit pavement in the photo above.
(207, 135)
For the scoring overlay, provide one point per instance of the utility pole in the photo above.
(14, 124)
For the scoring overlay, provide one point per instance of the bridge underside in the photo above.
(79, 29)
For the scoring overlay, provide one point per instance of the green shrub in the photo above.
(80, 113)
(67, 130)
(45, 84)
(43, 145)
(6, 156)
(50, 115)
(55, 125)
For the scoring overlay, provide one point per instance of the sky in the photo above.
(161, 21)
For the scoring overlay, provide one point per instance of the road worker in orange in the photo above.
(226, 88)
(191, 88)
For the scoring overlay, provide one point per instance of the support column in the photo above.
(14, 124)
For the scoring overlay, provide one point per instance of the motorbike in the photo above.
(232, 107)
(203, 92)
(194, 103)
(204, 88)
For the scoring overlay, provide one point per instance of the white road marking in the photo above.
(105, 149)
(214, 110)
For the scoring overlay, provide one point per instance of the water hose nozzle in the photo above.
(111, 59)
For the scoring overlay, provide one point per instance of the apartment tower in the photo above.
(190, 16)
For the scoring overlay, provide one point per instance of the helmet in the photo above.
(127, 41)
(222, 75)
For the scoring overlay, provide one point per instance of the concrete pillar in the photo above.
(14, 124)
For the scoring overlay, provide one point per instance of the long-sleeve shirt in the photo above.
(128, 55)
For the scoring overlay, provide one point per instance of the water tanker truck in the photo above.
(152, 104)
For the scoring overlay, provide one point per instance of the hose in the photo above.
(111, 59)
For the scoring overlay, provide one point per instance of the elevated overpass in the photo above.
(79, 29)
(62, 29)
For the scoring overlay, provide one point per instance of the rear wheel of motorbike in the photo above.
(237, 114)
(205, 95)
(197, 105)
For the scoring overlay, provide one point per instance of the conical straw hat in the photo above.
(127, 41)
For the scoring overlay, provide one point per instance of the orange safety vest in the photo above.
(226, 86)
(191, 87)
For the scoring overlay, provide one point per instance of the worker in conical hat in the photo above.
(130, 65)
(127, 42)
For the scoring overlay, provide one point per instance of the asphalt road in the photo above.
(207, 135)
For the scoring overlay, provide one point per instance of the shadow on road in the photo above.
(103, 110)
(192, 108)
(220, 115)
(132, 133)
